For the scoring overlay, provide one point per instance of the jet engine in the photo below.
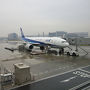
(29, 46)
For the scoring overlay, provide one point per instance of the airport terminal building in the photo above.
(80, 41)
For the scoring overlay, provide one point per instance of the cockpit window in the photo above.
(63, 41)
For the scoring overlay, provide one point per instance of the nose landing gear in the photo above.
(61, 51)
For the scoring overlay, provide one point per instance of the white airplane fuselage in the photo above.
(56, 42)
(53, 42)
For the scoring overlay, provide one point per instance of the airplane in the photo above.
(44, 42)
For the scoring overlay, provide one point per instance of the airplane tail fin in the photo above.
(22, 35)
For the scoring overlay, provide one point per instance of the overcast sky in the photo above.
(38, 16)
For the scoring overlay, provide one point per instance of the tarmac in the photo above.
(44, 65)
(73, 80)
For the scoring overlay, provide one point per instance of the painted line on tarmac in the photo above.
(84, 70)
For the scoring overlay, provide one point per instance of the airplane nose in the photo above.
(67, 44)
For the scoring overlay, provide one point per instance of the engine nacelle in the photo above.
(29, 46)
(42, 48)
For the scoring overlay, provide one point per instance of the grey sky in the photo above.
(37, 16)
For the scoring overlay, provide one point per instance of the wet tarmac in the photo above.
(42, 66)
(78, 79)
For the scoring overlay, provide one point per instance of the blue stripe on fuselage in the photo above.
(33, 41)
(41, 43)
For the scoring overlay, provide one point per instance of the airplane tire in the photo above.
(60, 52)
(68, 53)
(74, 54)
(55, 52)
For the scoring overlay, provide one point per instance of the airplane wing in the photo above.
(11, 49)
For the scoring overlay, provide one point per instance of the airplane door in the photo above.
(52, 41)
